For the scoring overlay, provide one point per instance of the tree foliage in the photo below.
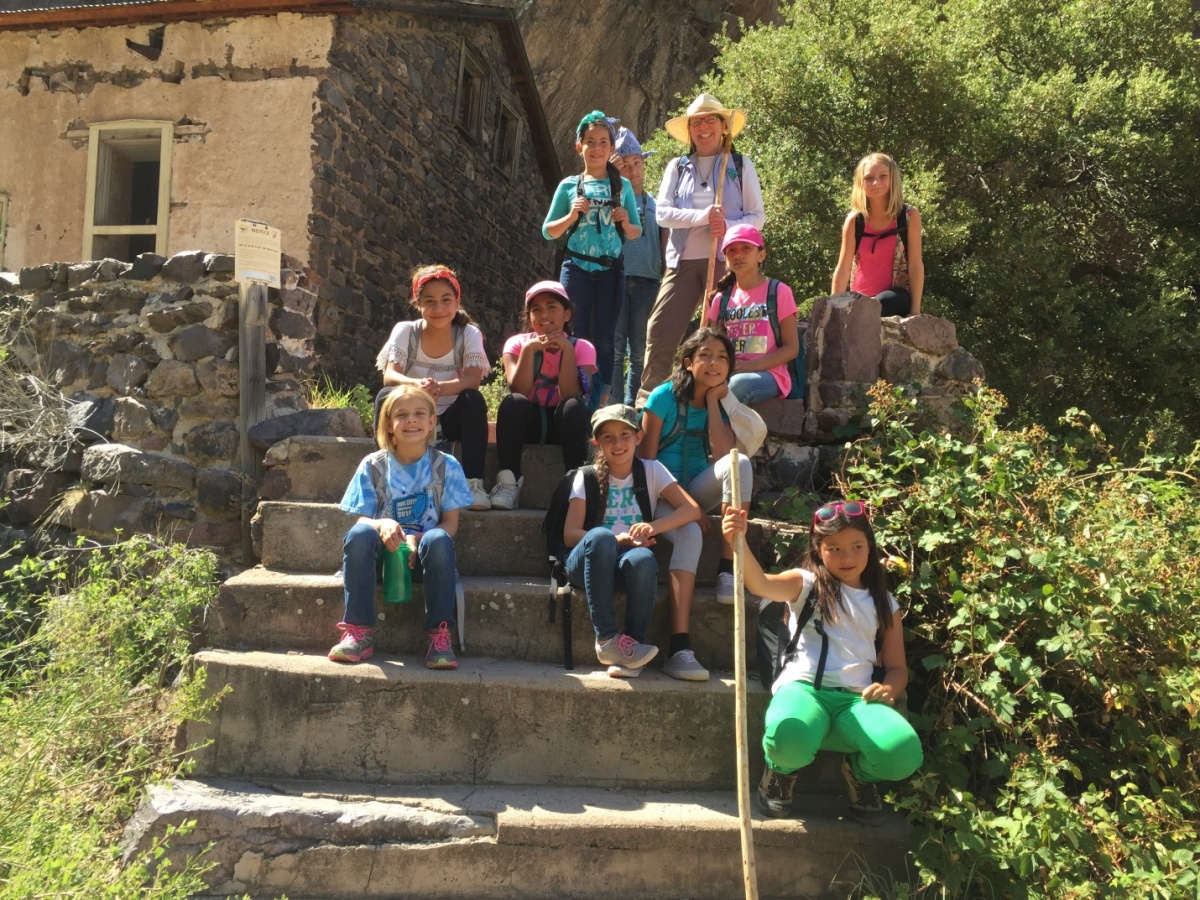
(1053, 630)
(1051, 147)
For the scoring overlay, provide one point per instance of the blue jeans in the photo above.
(640, 294)
(599, 566)
(596, 297)
(362, 557)
(753, 387)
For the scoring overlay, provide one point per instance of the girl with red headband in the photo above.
(442, 353)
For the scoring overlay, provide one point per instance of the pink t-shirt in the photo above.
(545, 388)
(874, 272)
(750, 329)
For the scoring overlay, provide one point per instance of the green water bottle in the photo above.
(397, 576)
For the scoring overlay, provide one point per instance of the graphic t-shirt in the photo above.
(596, 234)
(409, 498)
(622, 510)
(851, 654)
(443, 368)
(545, 385)
(749, 326)
(663, 404)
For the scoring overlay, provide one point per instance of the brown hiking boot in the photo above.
(866, 807)
(775, 793)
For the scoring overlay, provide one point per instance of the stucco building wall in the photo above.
(245, 87)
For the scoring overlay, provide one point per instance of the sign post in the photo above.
(256, 268)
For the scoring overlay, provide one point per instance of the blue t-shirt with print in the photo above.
(596, 234)
(409, 497)
(663, 404)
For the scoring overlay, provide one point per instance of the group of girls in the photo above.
(675, 451)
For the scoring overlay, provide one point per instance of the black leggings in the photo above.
(895, 301)
(465, 421)
(520, 422)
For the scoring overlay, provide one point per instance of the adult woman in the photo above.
(687, 207)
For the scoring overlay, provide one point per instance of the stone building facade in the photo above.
(375, 138)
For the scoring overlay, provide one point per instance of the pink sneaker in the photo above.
(357, 643)
(440, 654)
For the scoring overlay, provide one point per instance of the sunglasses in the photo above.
(829, 512)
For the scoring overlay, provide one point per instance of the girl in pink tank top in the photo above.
(876, 259)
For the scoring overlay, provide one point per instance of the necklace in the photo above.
(708, 177)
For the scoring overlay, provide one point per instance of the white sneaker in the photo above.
(725, 588)
(479, 497)
(507, 491)
(683, 665)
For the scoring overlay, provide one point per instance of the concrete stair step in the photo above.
(268, 609)
(317, 469)
(390, 720)
(307, 537)
(335, 840)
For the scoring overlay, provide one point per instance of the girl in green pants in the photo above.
(829, 694)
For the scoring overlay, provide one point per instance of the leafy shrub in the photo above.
(87, 715)
(325, 393)
(1054, 631)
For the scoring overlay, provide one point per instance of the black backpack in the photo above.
(615, 191)
(776, 646)
(554, 523)
(901, 229)
(796, 367)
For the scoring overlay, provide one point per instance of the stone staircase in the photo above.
(511, 777)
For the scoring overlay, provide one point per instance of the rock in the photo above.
(170, 317)
(36, 278)
(218, 376)
(213, 440)
(783, 417)
(959, 366)
(329, 422)
(286, 324)
(29, 494)
(66, 363)
(100, 512)
(80, 272)
(797, 466)
(902, 365)
(110, 270)
(126, 372)
(120, 463)
(172, 378)
(206, 406)
(120, 299)
(219, 493)
(197, 342)
(845, 341)
(241, 821)
(929, 334)
(217, 263)
(186, 266)
(141, 425)
(95, 415)
(145, 267)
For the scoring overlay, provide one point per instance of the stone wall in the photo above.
(398, 184)
(850, 348)
(150, 352)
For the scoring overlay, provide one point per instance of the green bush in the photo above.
(90, 703)
(1054, 633)
(325, 393)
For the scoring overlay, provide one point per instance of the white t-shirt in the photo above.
(443, 368)
(851, 654)
(622, 510)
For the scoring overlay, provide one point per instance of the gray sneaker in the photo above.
(624, 651)
(683, 666)
(725, 588)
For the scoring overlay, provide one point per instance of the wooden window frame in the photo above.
(102, 132)
(470, 65)
(507, 115)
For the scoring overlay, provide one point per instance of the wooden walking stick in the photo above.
(749, 870)
(719, 175)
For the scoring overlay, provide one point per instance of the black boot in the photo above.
(775, 793)
(865, 806)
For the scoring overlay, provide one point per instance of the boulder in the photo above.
(329, 422)
(119, 463)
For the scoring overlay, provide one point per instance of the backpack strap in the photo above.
(773, 310)
(377, 469)
(594, 507)
(437, 480)
(723, 312)
(641, 491)
(806, 614)
(738, 162)
(459, 336)
(414, 340)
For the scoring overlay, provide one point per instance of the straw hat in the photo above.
(704, 105)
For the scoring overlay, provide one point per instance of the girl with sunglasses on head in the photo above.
(841, 624)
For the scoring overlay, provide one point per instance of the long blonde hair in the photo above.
(400, 391)
(858, 194)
